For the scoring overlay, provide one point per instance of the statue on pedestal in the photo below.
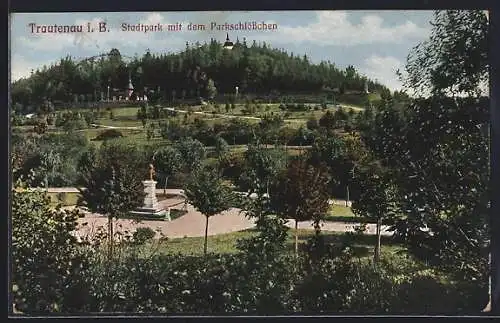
(151, 207)
(151, 172)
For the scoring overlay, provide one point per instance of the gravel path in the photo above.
(192, 224)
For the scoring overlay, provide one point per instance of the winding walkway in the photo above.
(192, 224)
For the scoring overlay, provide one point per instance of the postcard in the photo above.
(250, 162)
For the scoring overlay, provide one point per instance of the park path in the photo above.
(192, 224)
(114, 127)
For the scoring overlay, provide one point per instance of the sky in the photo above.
(376, 43)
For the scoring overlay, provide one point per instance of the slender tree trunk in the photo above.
(347, 197)
(109, 263)
(165, 188)
(377, 246)
(296, 238)
(110, 237)
(206, 236)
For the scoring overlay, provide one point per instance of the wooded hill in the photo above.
(200, 70)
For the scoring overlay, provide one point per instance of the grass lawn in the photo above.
(65, 199)
(125, 112)
(226, 243)
(120, 123)
(342, 214)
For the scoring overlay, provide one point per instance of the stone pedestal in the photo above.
(151, 207)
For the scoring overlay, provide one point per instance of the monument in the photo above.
(151, 207)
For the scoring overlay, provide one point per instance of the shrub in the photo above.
(47, 269)
(109, 134)
(141, 235)
(74, 124)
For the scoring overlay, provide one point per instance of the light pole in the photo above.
(347, 187)
(107, 97)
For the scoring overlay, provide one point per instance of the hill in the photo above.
(200, 70)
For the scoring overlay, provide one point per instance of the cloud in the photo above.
(383, 69)
(21, 67)
(334, 28)
(96, 40)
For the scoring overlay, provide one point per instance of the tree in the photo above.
(47, 261)
(439, 156)
(332, 151)
(376, 200)
(40, 126)
(270, 126)
(113, 184)
(221, 148)
(142, 114)
(301, 193)
(454, 59)
(263, 165)
(167, 161)
(50, 163)
(211, 89)
(327, 120)
(312, 123)
(192, 152)
(207, 192)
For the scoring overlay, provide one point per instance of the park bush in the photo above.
(47, 267)
(141, 235)
(109, 134)
(251, 284)
(52, 274)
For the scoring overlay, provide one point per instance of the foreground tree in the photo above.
(440, 155)
(454, 59)
(47, 263)
(301, 193)
(376, 199)
(112, 183)
(207, 192)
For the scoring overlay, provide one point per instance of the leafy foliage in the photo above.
(143, 234)
(438, 147)
(47, 265)
(302, 194)
(167, 160)
(377, 198)
(454, 59)
(113, 183)
(109, 134)
(208, 194)
(192, 152)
